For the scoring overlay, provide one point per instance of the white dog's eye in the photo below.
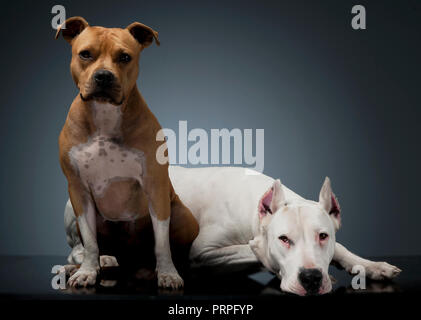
(284, 239)
(323, 236)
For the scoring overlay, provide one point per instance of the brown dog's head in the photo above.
(105, 61)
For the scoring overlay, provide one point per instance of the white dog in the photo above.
(248, 219)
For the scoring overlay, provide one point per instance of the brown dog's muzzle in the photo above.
(104, 79)
(103, 87)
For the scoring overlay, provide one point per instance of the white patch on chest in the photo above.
(104, 158)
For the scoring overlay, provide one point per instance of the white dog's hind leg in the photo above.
(74, 264)
(235, 256)
(76, 255)
(88, 271)
(374, 270)
(72, 236)
(78, 251)
(108, 261)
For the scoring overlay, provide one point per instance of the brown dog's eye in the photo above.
(85, 55)
(323, 236)
(125, 58)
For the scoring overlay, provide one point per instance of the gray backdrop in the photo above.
(333, 101)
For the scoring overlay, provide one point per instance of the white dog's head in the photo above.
(296, 241)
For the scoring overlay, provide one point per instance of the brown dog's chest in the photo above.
(108, 168)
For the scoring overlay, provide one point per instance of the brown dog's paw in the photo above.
(83, 278)
(170, 280)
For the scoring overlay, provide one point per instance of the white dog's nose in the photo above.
(310, 279)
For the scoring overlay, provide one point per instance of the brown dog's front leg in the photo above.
(84, 209)
(159, 210)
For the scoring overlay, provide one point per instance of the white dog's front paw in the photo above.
(83, 277)
(382, 270)
(70, 269)
(170, 280)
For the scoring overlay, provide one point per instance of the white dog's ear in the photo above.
(272, 200)
(329, 202)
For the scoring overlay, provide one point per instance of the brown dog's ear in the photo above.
(74, 26)
(143, 34)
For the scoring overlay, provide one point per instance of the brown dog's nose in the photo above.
(104, 78)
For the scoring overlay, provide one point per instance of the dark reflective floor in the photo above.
(30, 278)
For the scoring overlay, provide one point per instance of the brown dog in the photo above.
(108, 150)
